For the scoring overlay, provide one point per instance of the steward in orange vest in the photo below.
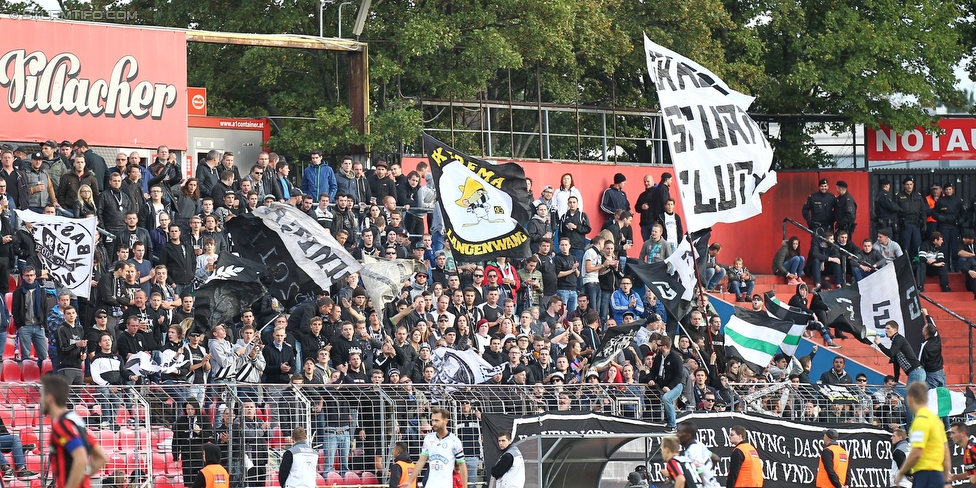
(832, 472)
(745, 470)
(213, 475)
(402, 466)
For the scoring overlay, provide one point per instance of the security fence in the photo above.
(153, 434)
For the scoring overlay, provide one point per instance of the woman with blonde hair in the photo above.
(86, 202)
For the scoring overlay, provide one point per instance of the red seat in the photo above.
(29, 436)
(334, 479)
(319, 480)
(162, 482)
(11, 371)
(370, 479)
(32, 374)
(127, 440)
(10, 347)
(46, 367)
(23, 416)
(352, 479)
(108, 441)
(33, 462)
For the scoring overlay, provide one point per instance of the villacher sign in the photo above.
(957, 141)
(111, 85)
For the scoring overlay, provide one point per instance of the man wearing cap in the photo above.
(834, 461)
(614, 198)
(39, 185)
(948, 213)
(885, 208)
(53, 163)
(381, 185)
(820, 208)
(911, 217)
(845, 210)
(966, 259)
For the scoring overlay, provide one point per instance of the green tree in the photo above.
(871, 61)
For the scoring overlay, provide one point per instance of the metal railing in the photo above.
(150, 443)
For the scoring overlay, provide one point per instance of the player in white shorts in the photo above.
(443, 450)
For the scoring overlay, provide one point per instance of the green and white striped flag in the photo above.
(945, 402)
(755, 337)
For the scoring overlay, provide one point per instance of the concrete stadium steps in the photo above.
(955, 333)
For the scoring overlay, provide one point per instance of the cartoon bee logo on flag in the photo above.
(474, 198)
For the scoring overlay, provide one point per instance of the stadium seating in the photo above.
(31, 372)
(11, 371)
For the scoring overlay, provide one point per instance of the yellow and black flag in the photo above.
(485, 205)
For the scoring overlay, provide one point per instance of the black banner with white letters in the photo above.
(790, 450)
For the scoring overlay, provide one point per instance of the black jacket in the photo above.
(673, 372)
(274, 359)
(819, 210)
(577, 236)
(179, 261)
(912, 208)
(931, 355)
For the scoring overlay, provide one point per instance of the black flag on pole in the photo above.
(666, 287)
(615, 340)
(234, 285)
(485, 205)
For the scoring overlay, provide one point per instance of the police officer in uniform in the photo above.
(948, 213)
(819, 209)
(745, 470)
(213, 474)
(845, 212)
(298, 463)
(885, 208)
(911, 217)
(832, 470)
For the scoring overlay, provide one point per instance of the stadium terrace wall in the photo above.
(756, 240)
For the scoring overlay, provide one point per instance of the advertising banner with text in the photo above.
(108, 84)
(956, 142)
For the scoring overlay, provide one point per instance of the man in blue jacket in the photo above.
(319, 177)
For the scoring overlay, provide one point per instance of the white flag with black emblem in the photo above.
(66, 248)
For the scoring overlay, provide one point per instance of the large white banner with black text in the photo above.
(720, 155)
(66, 249)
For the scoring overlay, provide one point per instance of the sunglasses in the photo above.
(101, 316)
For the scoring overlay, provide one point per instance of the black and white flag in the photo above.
(485, 205)
(234, 285)
(455, 367)
(666, 287)
(615, 340)
(301, 256)
(720, 154)
(66, 248)
(890, 294)
(842, 309)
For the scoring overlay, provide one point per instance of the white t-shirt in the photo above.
(442, 455)
(671, 228)
(595, 259)
(701, 458)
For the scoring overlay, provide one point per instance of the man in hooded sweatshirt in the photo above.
(213, 474)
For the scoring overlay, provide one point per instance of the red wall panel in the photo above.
(756, 240)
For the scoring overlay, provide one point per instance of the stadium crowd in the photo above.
(541, 318)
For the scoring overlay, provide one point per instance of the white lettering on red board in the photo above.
(39, 84)
(915, 140)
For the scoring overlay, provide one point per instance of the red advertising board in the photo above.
(110, 85)
(956, 142)
(196, 101)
